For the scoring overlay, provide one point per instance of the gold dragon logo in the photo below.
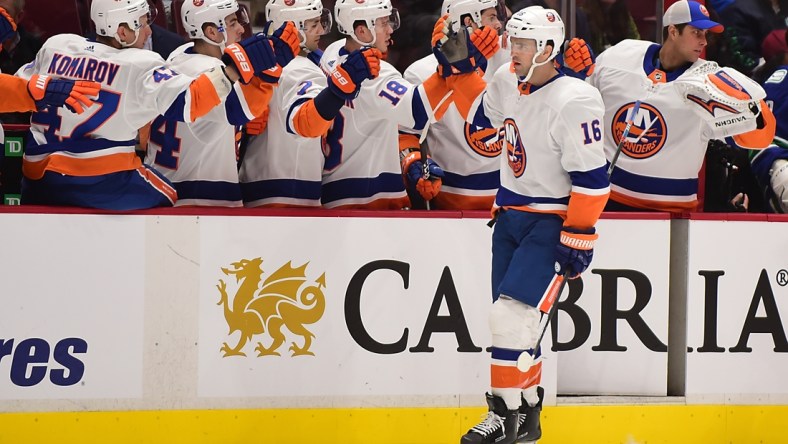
(284, 299)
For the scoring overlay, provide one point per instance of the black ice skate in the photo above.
(499, 427)
(529, 428)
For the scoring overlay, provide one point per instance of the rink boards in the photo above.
(118, 316)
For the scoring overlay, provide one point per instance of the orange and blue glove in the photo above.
(286, 46)
(7, 26)
(574, 251)
(577, 59)
(250, 57)
(413, 170)
(345, 80)
(51, 92)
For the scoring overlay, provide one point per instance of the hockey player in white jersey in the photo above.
(283, 166)
(362, 167)
(469, 154)
(678, 113)
(200, 158)
(553, 189)
(88, 160)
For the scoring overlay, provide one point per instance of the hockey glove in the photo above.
(250, 57)
(345, 80)
(574, 251)
(462, 52)
(51, 92)
(413, 170)
(286, 46)
(7, 26)
(577, 59)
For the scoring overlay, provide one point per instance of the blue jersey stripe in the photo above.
(208, 190)
(73, 145)
(595, 179)
(507, 198)
(653, 185)
(419, 111)
(234, 109)
(292, 188)
(479, 181)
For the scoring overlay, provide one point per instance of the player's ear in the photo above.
(361, 31)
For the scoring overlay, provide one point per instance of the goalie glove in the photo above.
(250, 57)
(574, 251)
(50, 92)
(7, 27)
(413, 170)
(724, 98)
(345, 80)
(577, 59)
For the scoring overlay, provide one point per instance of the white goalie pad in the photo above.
(724, 98)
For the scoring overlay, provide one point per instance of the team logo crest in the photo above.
(285, 300)
(703, 10)
(198, 3)
(289, 2)
(360, 2)
(550, 17)
(514, 147)
(646, 136)
(486, 142)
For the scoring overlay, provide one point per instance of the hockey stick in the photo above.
(526, 360)
(630, 118)
(425, 151)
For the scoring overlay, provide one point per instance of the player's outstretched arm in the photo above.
(47, 92)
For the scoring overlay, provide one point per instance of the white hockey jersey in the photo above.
(136, 87)
(467, 154)
(199, 158)
(362, 167)
(280, 167)
(660, 160)
(553, 160)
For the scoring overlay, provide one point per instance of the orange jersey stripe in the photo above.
(759, 139)
(71, 166)
(436, 89)
(654, 205)
(163, 187)
(466, 87)
(584, 210)
(16, 99)
(307, 122)
(203, 97)
(258, 94)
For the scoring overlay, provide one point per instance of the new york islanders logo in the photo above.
(646, 136)
(198, 3)
(486, 142)
(515, 152)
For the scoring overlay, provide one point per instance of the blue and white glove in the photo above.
(413, 169)
(286, 46)
(250, 56)
(361, 64)
(574, 251)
